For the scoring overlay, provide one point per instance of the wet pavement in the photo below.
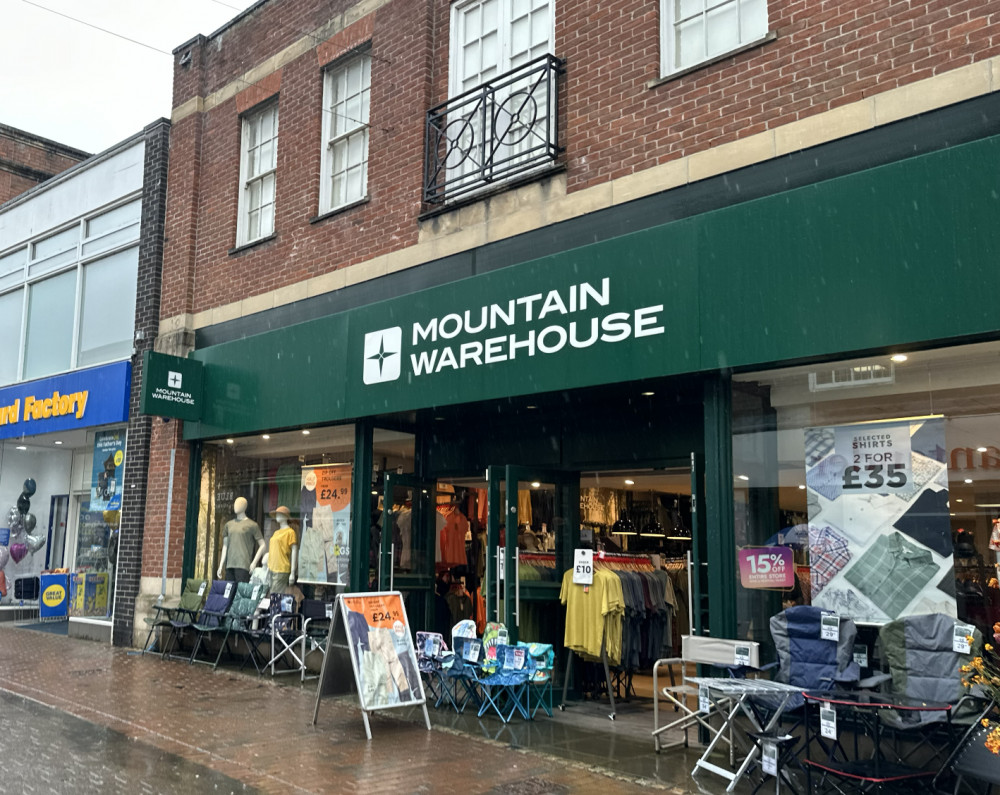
(90, 718)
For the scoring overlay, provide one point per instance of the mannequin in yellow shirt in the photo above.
(283, 553)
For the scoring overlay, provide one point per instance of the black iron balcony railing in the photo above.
(494, 132)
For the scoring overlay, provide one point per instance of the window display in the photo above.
(884, 491)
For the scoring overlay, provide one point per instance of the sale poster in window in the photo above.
(879, 529)
(107, 471)
(325, 503)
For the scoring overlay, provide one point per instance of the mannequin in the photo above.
(283, 553)
(242, 545)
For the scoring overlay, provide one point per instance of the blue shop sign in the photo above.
(81, 399)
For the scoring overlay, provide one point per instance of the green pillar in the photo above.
(361, 504)
(720, 547)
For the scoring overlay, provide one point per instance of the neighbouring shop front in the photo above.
(728, 387)
(62, 464)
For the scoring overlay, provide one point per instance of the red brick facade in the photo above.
(618, 118)
(27, 160)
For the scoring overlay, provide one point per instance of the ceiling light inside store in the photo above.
(374, 493)
(535, 484)
(802, 487)
(648, 394)
(988, 504)
(968, 480)
(981, 449)
(629, 482)
(531, 407)
(21, 447)
(229, 441)
(266, 436)
(57, 441)
(959, 499)
(743, 477)
(898, 357)
(305, 431)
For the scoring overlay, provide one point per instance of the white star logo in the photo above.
(383, 355)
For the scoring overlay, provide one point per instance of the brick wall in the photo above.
(26, 160)
(147, 315)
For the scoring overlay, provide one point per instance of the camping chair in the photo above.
(286, 635)
(192, 598)
(808, 661)
(432, 652)
(696, 649)
(924, 667)
(210, 619)
(460, 678)
(542, 660)
(217, 600)
(257, 629)
(505, 691)
(241, 611)
(316, 617)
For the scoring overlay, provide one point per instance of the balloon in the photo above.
(112, 519)
(13, 515)
(23, 504)
(35, 543)
(29, 486)
(29, 522)
(4, 556)
(18, 551)
(16, 526)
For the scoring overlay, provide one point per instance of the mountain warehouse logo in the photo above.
(383, 355)
(575, 317)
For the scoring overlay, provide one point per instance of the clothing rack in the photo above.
(607, 679)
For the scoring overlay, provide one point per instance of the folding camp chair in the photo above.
(213, 614)
(316, 616)
(923, 666)
(432, 652)
(734, 655)
(217, 601)
(286, 635)
(237, 620)
(808, 661)
(192, 598)
(505, 691)
(460, 679)
(541, 658)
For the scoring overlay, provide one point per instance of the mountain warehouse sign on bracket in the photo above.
(579, 316)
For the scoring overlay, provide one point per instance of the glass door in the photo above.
(533, 523)
(406, 552)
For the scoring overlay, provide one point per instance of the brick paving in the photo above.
(260, 733)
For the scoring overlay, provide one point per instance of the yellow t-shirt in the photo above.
(279, 553)
(594, 616)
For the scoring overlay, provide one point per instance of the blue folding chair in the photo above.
(432, 652)
(460, 673)
(505, 691)
(541, 660)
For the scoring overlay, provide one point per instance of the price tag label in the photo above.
(741, 655)
(201, 589)
(960, 641)
(829, 628)
(329, 610)
(861, 656)
(471, 651)
(828, 722)
(500, 564)
(769, 758)
(704, 703)
(583, 567)
(229, 590)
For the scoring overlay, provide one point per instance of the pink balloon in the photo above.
(4, 556)
(18, 551)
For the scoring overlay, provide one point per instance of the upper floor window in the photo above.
(694, 31)
(346, 100)
(257, 175)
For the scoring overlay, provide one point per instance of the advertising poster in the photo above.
(880, 543)
(106, 481)
(767, 567)
(325, 502)
(385, 664)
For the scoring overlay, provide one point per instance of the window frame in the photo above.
(669, 37)
(247, 182)
(330, 137)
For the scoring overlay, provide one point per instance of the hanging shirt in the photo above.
(594, 617)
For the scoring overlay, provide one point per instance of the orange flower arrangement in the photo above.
(985, 672)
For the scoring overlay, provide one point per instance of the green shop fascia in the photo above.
(903, 255)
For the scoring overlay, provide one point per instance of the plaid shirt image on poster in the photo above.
(892, 572)
(828, 554)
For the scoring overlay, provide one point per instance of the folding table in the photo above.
(740, 693)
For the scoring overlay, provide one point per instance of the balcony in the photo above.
(501, 130)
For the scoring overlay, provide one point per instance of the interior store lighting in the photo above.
(624, 526)
(305, 431)
(57, 441)
(21, 447)
(266, 436)
(742, 477)
(648, 394)
(229, 441)
(899, 357)
(629, 482)
(535, 484)
(981, 449)
(968, 480)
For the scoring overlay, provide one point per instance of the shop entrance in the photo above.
(532, 528)
(406, 554)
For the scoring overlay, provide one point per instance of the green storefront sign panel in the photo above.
(896, 255)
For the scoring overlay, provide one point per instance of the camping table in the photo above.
(740, 693)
